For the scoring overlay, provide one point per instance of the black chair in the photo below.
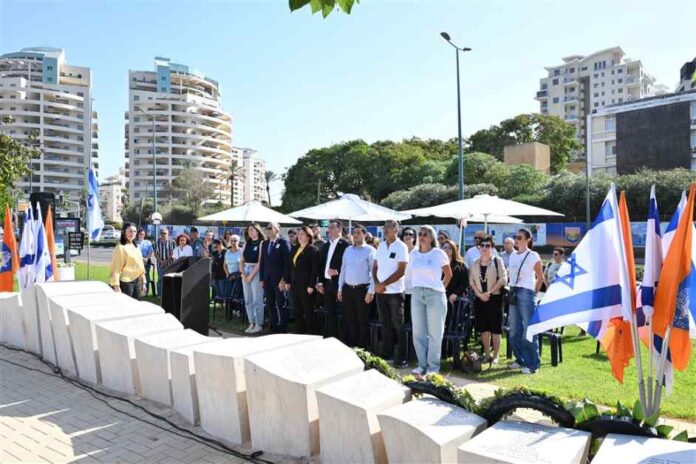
(458, 333)
(375, 336)
(555, 340)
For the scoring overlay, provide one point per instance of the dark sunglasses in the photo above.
(485, 245)
(520, 237)
(408, 234)
(423, 234)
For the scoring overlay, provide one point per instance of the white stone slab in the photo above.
(221, 381)
(281, 384)
(427, 430)
(627, 449)
(525, 443)
(58, 309)
(30, 320)
(117, 353)
(184, 391)
(11, 311)
(348, 408)
(49, 289)
(83, 335)
(152, 353)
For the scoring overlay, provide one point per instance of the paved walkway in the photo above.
(43, 418)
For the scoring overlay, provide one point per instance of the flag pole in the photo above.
(661, 369)
(651, 400)
(639, 362)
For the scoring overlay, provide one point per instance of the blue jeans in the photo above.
(428, 313)
(526, 352)
(253, 296)
(160, 279)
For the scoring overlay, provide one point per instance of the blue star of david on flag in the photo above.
(575, 271)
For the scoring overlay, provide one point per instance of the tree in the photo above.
(424, 195)
(191, 189)
(270, 177)
(235, 172)
(325, 6)
(522, 179)
(550, 130)
(15, 156)
(478, 168)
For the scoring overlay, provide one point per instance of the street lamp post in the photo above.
(154, 166)
(460, 154)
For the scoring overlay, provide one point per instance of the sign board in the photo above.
(324, 223)
(61, 226)
(76, 240)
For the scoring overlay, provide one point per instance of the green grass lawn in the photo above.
(582, 374)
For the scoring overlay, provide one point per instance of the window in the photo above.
(555, 99)
(596, 75)
(603, 103)
(49, 68)
(693, 140)
(620, 81)
(610, 149)
(619, 71)
(79, 76)
(544, 86)
(80, 94)
(584, 68)
(596, 104)
(693, 111)
(556, 72)
(602, 92)
(163, 78)
(620, 90)
(620, 100)
(610, 124)
(136, 97)
(612, 82)
(612, 91)
(596, 94)
(596, 84)
(603, 83)
(554, 82)
(572, 70)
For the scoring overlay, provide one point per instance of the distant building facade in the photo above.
(687, 76)
(254, 177)
(656, 133)
(112, 192)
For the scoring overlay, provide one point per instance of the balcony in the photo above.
(542, 94)
(569, 80)
(570, 98)
(571, 117)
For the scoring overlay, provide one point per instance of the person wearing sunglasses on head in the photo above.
(164, 251)
(408, 236)
(487, 279)
(526, 279)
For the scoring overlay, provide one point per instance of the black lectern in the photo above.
(186, 292)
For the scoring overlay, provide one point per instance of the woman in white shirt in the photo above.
(429, 273)
(525, 280)
(183, 248)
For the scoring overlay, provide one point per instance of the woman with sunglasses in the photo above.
(460, 276)
(408, 236)
(552, 269)
(430, 272)
(487, 278)
(526, 279)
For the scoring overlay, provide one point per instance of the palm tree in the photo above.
(270, 177)
(232, 175)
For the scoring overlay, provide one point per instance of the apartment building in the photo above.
(581, 84)
(174, 119)
(657, 133)
(687, 76)
(111, 196)
(41, 94)
(254, 176)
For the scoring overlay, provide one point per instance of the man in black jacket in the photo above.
(275, 273)
(330, 267)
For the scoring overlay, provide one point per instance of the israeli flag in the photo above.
(653, 260)
(43, 268)
(27, 252)
(593, 284)
(95, 223)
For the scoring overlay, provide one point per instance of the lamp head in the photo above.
(445, 36)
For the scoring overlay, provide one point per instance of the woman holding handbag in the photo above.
(487, 279)
(526, 278)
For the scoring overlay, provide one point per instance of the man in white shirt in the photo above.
(330, 267)
(388, 274)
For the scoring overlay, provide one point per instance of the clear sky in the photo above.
(296, 81)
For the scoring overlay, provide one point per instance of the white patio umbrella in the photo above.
(251, 211)
(352, 208)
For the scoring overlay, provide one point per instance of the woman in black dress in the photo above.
(487, 278)
(304, 271)
(460, 278)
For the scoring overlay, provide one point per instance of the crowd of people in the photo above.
(332, 285)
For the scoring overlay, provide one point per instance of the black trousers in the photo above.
(132, 289)
(304, 309)
(332, 307)
(276, 306)
(356, 314)
(390, 307)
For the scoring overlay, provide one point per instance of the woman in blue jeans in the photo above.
(525, 279)
(429, 272)
(251, 279)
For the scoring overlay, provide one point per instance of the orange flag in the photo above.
(673, 297)
(51, 243)
(9, 259)
(617, 340)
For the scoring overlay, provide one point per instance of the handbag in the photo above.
(512, 293)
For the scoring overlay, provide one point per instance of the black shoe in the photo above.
(400, 364)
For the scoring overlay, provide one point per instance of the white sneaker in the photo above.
(418, 371)
(495, 360)
(250, 328)
(514, 366)
(528, 371)
(256, 329)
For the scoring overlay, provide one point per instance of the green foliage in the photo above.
(372, 361)
(325, 6)
(638, 413)
(190, 189)
(664, 430)
(681, 436)
(550, 130)
(523, 179)
(132, 213)
(582, 410)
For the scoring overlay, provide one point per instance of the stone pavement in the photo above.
(43, 418)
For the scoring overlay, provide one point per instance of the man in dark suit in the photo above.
(275, 273)
(329, 269)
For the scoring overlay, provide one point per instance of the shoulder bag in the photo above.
(512, 295)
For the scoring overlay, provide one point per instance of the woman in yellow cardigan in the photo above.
(127, 273)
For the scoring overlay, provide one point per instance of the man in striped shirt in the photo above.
(163, 252)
